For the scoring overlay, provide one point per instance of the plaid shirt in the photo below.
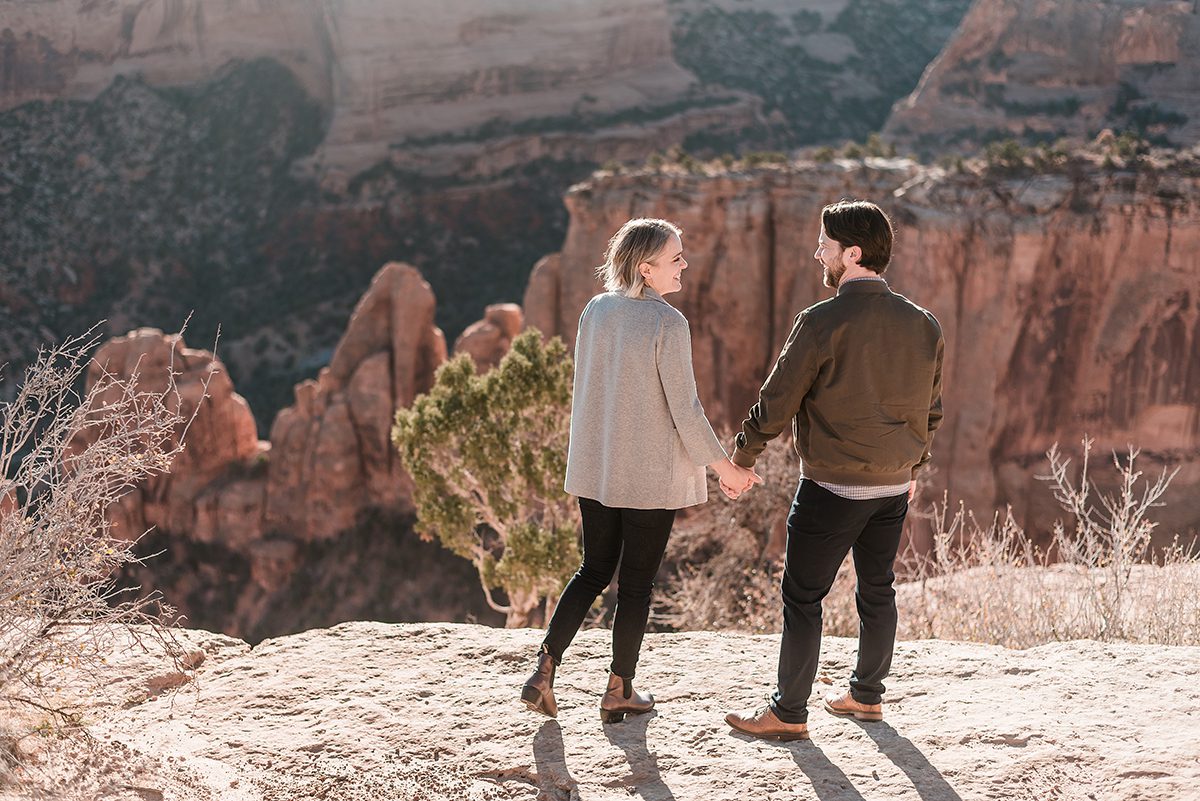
(855, 492)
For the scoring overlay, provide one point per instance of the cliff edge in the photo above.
(368, 711)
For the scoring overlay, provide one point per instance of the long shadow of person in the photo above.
(828, 781)
(630, 737)
(927, 780)
(549, 757)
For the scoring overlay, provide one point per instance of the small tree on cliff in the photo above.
(487, 455)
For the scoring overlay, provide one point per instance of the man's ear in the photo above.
(853, 254)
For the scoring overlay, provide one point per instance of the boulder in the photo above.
(488, 340)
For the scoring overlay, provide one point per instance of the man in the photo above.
(859, 382)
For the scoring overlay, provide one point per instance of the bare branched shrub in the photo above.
(981, 582)
(968, 586)
(732, 589)
(1114, 537)
(1097, 580)
(68, 457)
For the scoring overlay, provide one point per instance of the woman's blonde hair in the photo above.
(638, 241)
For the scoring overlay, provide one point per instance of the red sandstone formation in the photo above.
(1071, 305)
(221, 442)
(1051, 68)
(8, 500)
(489, 339)
(331, 452)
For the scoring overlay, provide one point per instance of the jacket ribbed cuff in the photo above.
(742, 459)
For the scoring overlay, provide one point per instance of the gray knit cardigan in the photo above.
(639, 437)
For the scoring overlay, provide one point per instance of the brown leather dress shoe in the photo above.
(538, 693)
(763, 723)
(845, 706)
(620, 699)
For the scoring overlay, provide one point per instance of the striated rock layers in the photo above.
(453, 87)
(316, 526)
(1046, 68)
(433, 77)
(1070, 304)
(74, 49)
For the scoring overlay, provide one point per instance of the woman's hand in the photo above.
(735, 480)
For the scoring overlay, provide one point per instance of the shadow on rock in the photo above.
(630, 737)
(927, 780)
(553, 779)
(828, 781)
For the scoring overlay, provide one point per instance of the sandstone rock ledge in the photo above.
(430, 711)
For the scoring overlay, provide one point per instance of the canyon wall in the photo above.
(422, 84)
(1070, 303)
(1043, 69)
(452, 88)
(74, 49)
(255, 161)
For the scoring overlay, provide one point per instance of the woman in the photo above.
(639, 445)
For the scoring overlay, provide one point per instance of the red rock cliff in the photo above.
(1050, 68)
(1070, 304)
(221, 439)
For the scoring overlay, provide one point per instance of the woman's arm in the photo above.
(673, 354)
(674, 357)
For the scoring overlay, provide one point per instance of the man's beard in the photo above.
(830, 278)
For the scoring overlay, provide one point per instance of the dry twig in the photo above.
(68, 459)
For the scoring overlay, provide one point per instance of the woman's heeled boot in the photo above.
(620, 699)
(538, 693)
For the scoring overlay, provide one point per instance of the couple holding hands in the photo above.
(859, 383)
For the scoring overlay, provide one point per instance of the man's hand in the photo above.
(735, 480)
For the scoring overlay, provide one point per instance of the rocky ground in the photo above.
(373, 711)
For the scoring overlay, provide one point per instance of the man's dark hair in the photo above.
(859, 222)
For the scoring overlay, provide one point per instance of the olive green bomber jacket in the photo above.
(859, 381)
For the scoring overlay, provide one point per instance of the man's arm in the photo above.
(935, 408)
(781, 395)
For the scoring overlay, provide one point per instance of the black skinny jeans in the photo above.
(637, 538)
(821, 528)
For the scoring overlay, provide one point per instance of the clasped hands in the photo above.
(736, 480)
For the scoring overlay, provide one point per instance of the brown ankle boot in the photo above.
(620, 698)
(538, 693)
